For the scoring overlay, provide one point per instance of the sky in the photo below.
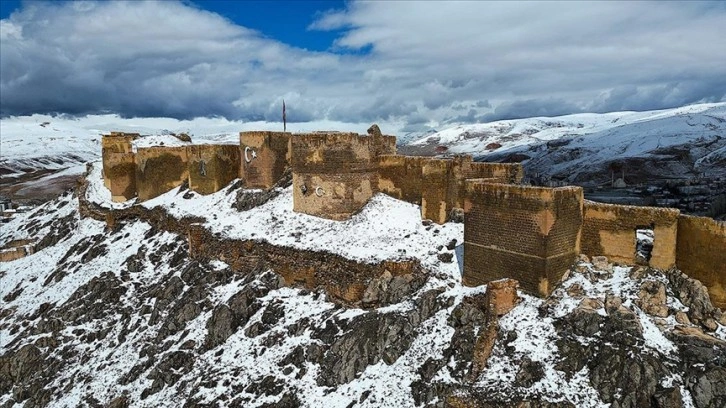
(411, 65)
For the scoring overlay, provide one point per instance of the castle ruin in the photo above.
(532, 234)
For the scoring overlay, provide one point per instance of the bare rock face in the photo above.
(601, 263)
(501, 296)
(374, 130)
(694, 295)
(652, 298)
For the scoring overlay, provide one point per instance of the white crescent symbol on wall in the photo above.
(319, 191)
(254, 154)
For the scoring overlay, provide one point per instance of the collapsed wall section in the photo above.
(530, 234)
(160, 169)
(212, 167)
(610, 230)
(264, 156)
(119, 167)
(701, 254)
(335, 174)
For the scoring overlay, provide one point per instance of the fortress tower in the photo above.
(531, 234)
(335, 174)
(119, 168)
(264, 156)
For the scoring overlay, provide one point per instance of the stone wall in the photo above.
(160, 169)
(335, 174)
(119, 168)
(609, 230)
(16, 249)
(530, 234)
(438, 185)
(701, 254)
(344, 280)
(401, 177)
(212, 167)
(264, 157)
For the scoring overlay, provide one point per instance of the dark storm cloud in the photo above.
(427, 62)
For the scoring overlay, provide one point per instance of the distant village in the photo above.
(8, 209)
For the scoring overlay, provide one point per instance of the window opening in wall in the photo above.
(203, 168)
(644, 237)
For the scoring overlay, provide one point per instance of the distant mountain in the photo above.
(673, 143)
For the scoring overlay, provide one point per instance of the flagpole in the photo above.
(284, 119)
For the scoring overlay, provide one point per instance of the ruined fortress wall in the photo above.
(609, 230)
(701, 254)
(435, 192)
(401, 177)
(343, 279)
(212, 167)
(11, 254)
(160, 169)
(335, 174)
(438, 185)
(119, 168)
(530, 234)
(264, 156)
(511, 173)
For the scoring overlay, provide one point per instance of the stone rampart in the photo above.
(610, 230)
(530, 234)
(212, 167)
(119, 168)
(701, 254)
(160, 169)
(264, 157)
(438, 185)
(335, 174)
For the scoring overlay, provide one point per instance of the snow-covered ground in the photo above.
(101, 367)
(568, 145)
(386, 228)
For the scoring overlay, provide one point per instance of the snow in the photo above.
(536, 340)
(386, 228)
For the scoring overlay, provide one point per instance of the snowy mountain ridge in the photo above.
(676, 142)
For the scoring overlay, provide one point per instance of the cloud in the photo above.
(405, 63)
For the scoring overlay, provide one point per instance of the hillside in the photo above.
(120, 311)
(675, 143)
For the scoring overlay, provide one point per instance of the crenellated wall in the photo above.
(264, 157)
(119, 167)
(701, 254)
(609, 230)
(335, 174)
(530, 234)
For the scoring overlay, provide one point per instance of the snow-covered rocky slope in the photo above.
(672, 143)
(122, 316)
